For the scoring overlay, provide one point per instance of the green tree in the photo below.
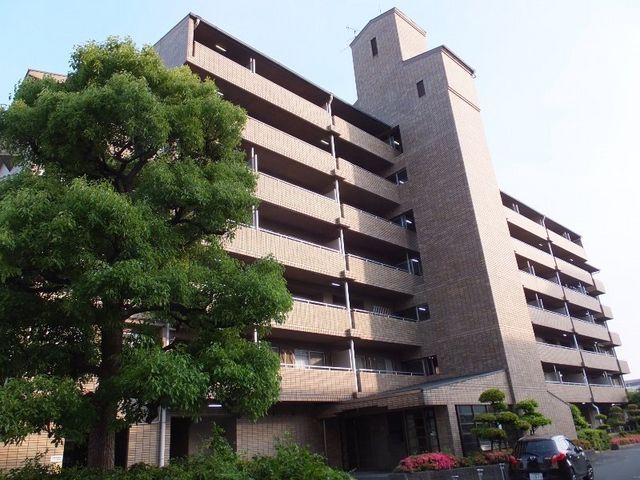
(527, 411)
(633, 413)
(492, 424)
(504, 423)
(634, 396)
(615, 418)
(134, 179)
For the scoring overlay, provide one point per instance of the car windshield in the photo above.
(538, 448)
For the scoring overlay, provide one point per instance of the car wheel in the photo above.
(572, 474)
(589, 473)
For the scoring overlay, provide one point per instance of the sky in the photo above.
(558, 84)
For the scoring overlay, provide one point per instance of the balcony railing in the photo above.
(295, 198)
(385, 315)
(288, 146)
(296, 239)
(391, 372)
(315, 367)
(375, 262)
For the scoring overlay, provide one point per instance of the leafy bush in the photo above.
(599, 439)
(578, 418)
(291, 462)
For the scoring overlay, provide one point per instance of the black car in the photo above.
(543, 458)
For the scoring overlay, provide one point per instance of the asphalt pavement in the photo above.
(623, 464)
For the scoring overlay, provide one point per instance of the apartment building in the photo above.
(418, 284)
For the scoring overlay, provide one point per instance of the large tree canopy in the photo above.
(133, 179)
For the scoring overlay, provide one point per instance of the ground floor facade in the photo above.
(371, 432)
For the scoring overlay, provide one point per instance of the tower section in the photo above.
(479, 314)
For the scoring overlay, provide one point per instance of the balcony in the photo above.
(567, 245)
(624, 367)
(525, 223)
(365, 180)
(558, 355)
(236, 74)
(380, 228)
(608, 394)
(570, 392)
(581, 299)
(597, 288)
(574, 271)
(607, 313)
(362, 139)
(378, 381)
(541, 285)
(370, 272)
(591, 330)
(297, 199)
(288, 146)
(315, 384)
(546, 318)
(615, 339)
(291, 252)
(532, 253)
(316, 317)
(600, 361)
(385, 328)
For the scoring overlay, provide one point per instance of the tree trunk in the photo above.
(102, 437)
(102, 445)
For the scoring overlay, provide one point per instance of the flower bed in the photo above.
(486, 472)
(444, 461)
(626, 440)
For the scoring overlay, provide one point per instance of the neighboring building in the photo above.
(7, 165)
(417, 283)
(633, 384)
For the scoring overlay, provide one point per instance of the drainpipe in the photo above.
(324, 437)
(597, 409)
(163, 410)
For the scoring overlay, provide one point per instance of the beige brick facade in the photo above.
(418, 284)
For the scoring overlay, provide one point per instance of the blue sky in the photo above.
(558, 86)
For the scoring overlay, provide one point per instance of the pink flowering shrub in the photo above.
(444, 461)
(626, 440)
(428, 461)
(498, 457)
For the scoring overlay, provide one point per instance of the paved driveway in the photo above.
(623, 464)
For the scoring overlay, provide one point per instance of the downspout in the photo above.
(163, 410)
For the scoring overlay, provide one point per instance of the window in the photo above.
(373, 362)
(399, 178)
(421, 90)
(422, 312)
(374, 47)
(431, 365)
(426, 365)
(308, 358)
(466, 421)
(405, 220)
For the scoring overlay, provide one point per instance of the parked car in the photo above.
(543, 458)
